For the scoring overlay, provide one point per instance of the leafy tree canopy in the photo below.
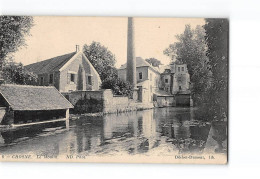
(104, 61)
(14, 73)
(190, 49)
(101, 58)
(217, 41)
(13, 30)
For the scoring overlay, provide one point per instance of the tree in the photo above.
(14, 73)
(190, 49)
(101, 58)
(104, 61)
(118, 86)
(217, 40)
(13, 30)
(154, 62)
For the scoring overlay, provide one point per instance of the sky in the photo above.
(53, 36)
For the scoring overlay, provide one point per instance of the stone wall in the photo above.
(103, 101)
(86, 101)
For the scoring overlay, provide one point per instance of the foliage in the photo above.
(14, 73)
(154, 62)
(13, 30)
(104, 62)
(217, 41)
(88, 106)
(101, 58)
(111, 72)
(118, 86)
(191, 49)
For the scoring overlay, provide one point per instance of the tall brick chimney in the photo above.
(131, 60)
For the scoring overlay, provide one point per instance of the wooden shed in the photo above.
(22, 105)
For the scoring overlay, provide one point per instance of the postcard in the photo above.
(114, 89)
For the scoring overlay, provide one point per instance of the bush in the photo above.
(14, 73)
(118, 86)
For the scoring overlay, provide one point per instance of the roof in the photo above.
(25, 97)
(50, 65)
(140, 62)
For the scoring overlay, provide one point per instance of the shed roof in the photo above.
(50, 65)
(32, 98)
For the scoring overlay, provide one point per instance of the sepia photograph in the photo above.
(114, 89)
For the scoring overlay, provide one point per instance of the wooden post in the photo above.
(67, 119)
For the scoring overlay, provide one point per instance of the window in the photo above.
(179, 79)
(140, 75)
(72, 78)
(89, 80)
(182, 68)
(179, 69)
(41, 81)
(51, 79)
(179, 87)
(166, 80)
(151, 77)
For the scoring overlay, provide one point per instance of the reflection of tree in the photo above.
(184, 132)
(219, 135)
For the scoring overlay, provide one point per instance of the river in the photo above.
(160, 131)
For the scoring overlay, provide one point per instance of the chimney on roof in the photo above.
(77, 48)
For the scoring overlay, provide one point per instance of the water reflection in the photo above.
(174, 129)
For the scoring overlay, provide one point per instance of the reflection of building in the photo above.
(116, 126)
(149, 128)
(69, 72)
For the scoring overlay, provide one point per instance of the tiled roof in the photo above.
(140, 62)
(50, 65)
(25, 97)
